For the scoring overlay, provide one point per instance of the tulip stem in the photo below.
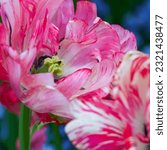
(57, 134)
(24, 128)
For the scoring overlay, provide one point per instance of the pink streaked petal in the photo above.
(131, 89)
(86, 11)
(127, 39)
(36, 36)
(97, 49)
(73, 54)
(26, 59)
(10, 12)
(21, 17)
(44, 37)
(102, 93)
(51, 5)
(30, 81)
(95, 46)
(14, 72)
(17, 66)
(46, 100)
(75, 81)
(53, 39)
(77, 30)
(96, 126)
(107, 41)
(63, 15)
(101, 76)
(3, 35)
(45, 12)
(135, 76)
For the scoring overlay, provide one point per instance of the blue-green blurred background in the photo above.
(133, 15)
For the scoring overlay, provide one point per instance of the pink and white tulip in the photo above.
(120, 123)
(89, 48)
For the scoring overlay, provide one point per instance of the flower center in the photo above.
(54, 65)
(50, 64)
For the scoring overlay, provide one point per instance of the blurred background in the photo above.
(133, 15)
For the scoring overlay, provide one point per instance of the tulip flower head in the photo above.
(51, 57)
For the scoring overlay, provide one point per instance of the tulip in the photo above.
(120, 123)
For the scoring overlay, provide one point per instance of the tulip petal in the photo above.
(96, 126)
(86, 11)
(127, 39)
(22, 17)
(101, 76)
(72, 83)
(46, 100)
(33, 80)
(63, 15)
(3, 35)
(93, 46)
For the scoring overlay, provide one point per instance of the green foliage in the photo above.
(119, 8)
(12, 122)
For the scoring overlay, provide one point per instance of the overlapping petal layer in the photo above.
(119, 123)
(90, 51)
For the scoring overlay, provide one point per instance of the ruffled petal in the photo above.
(135, 76)
(76, 30)
(131, 89)
(63, 15)
(17, 65)
(25, 59)
(30, 81)
(47, 100)
(22, 17)
(100, 43)
(127, 39)
(86, 11)
(14, 73)
(75, 81)
(97, 126)
(3, 35)
(101, 76)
